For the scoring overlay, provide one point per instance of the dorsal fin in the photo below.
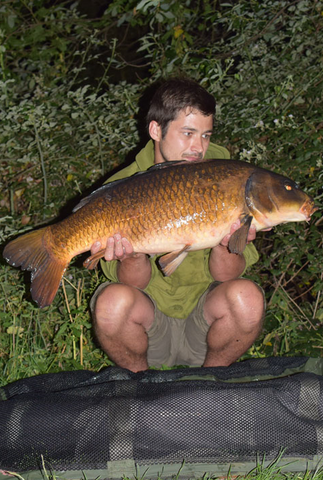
(105, 189)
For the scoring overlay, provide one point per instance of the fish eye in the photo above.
(288, 187)
(291, 186)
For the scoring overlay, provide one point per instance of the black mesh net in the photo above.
(82, 420)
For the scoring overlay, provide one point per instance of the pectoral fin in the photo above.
(91, 262)
(238, 239)
(172, 260)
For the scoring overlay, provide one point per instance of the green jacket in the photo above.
(179, 293)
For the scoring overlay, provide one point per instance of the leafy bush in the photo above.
(71, 98)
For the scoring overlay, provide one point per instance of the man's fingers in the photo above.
(118, 248)
(127, 246)
(225, 240)
(251, 233)
(95, 247)
(109, 251)
(234, 227)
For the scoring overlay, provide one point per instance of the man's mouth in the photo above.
(192, 157)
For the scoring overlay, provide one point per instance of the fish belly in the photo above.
(205, 236)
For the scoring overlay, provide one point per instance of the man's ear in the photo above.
(155, 131)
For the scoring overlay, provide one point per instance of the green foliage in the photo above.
(277, 469)
(34, 341)
(70, 88)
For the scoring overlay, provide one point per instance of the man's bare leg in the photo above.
(235, 311)
(122, 317)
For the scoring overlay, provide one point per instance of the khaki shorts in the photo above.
(174, 341)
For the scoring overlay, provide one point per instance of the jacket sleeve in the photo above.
(110, 270)
(251, 256)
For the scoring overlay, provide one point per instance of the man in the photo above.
(202, 314)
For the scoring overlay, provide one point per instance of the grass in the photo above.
(271, 114)
(278, 469)
(35, 341)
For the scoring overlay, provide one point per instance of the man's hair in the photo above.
(175, 95)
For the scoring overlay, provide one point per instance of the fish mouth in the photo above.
(308, 208)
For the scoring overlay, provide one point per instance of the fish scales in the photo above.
(144, 209)
(173, 208)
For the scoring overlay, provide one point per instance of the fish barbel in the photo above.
(173, 207)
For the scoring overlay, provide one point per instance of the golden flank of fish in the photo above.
(174, 207)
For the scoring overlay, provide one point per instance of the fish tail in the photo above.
(33, 252)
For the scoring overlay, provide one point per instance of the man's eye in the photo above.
(207, 136)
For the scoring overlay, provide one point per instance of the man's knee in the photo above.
(244, 293)
(240, 299)
(111, 306)
(118, 304)
(248, 303)
(115, 299)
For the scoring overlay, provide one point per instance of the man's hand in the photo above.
(225, 265)
(235, 226)
(133, 268)
(117, 248)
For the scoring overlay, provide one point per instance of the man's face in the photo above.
(187, 137)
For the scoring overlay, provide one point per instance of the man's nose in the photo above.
(197, 145)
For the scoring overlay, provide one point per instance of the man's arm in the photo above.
(225, 265)
(133, 268)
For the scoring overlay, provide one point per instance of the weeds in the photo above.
(64, 128)
(278, 469)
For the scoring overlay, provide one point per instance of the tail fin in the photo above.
(32, 252)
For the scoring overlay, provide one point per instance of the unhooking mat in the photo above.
(115, 421)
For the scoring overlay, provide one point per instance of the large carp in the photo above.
(173, 207)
